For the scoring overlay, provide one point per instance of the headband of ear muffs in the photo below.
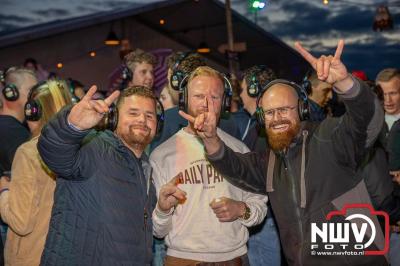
(226, 98)
(254, 87)
(110, 121)
(178, 75)
(303, 104)
(33, 109)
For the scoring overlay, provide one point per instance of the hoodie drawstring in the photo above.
(270, 172)
(303, 169)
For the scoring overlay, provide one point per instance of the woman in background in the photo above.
(26, 201)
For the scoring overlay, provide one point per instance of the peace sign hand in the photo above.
(329, 68)
(88, 113)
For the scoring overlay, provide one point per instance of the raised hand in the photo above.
(227, 210)
(170, 195)
(204, 124)
(329, 68)
(88, 113)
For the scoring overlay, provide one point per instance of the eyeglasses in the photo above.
(282, 111)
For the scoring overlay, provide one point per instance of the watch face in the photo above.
(247, 213)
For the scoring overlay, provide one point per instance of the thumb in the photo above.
(176, 180)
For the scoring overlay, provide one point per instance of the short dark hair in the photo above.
(141, 91)
(31, 61)
(75, 84)
(264, 75)
(187, 65)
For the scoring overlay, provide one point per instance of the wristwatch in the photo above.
(247, 213)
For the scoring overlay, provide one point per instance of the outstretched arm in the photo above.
(59, 143)
(360, 126)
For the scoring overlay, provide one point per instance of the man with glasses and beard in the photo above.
(104, 196)
(310, 168)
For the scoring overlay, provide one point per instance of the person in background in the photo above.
(13, 132)
(388, 85)
(264, 245)
(166, 99)
(141, 64)
(26, 201)
(319, 93)
(32, 64)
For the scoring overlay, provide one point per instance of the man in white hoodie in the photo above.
(205, 220)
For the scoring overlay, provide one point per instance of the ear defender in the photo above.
(10, 92)
(110, 120)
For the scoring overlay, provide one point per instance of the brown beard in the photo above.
(282, 140)
(137, 141)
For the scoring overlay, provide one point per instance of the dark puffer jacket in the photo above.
(102, 203)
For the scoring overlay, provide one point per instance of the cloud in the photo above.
(53, 12)
(9, 23)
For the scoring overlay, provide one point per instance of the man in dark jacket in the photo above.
(104, 196)
(310, 169)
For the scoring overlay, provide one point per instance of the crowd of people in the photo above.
(188, 178)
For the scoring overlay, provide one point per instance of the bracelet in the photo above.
(4, 189)
(73, 127)
(247, 213)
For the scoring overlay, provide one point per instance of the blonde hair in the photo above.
(17, 75)
(387, 74)
(207, 72)
(52, 95)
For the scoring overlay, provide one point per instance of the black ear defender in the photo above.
(75, 99)
(33, 109)
(178, 75)
(306, 84)
(10, 91)
(226, 98)
(303, 103)
(254, 87)
(110, 120)
(126, 77)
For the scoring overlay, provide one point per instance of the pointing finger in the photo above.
(88, 96)
(187, 116)
(210, 104)
(110, 99)
(339, 49)
(305, 54)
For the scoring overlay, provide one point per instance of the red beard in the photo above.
(280, 141)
